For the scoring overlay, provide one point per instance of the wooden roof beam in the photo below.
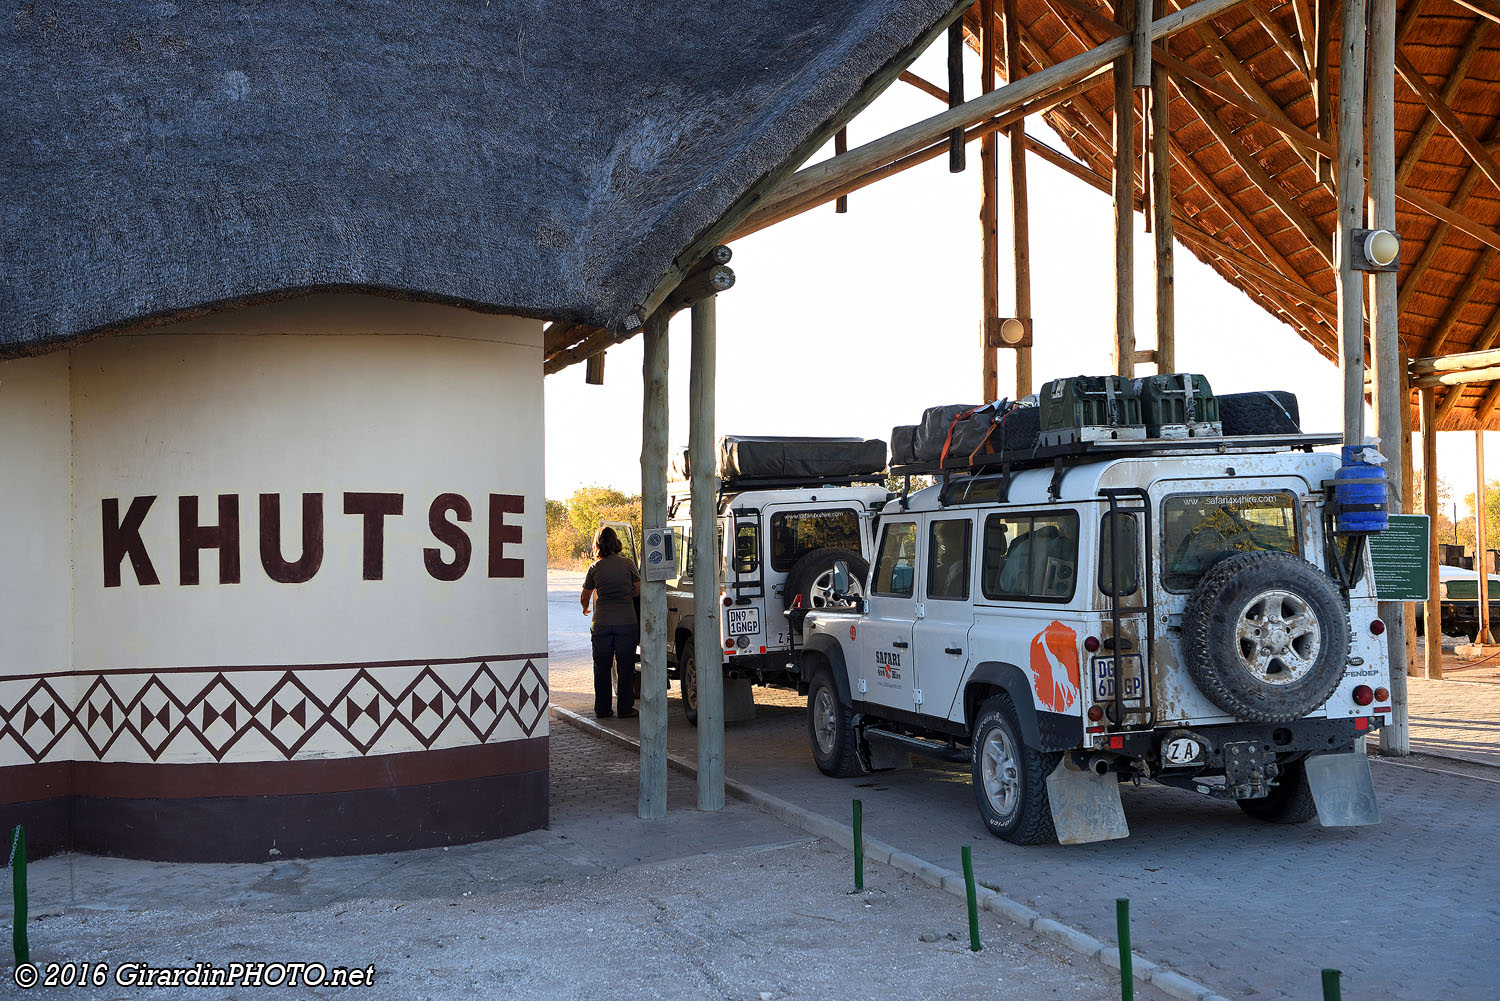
(1488, 9)
(1449, 120)
(1272, 25)
(1491, 398)
(1241, 75)
(924, 85)
(1456, 305)
(1451, 84)
(1268, 185)
(1435, 242)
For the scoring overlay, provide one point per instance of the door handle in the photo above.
(900, 644)
(953, 649)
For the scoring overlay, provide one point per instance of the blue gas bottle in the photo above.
(1360, 491)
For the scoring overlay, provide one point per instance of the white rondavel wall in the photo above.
(420, 627)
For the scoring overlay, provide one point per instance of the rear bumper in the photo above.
(1311, 735)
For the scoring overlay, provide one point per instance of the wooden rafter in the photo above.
(1451, 84)
(1239, 71)
(1278, 34)
(1450, 121)
(1488, 9)
(1268, 185)
(1459, 301)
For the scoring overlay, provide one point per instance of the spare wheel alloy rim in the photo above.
(825, 719)
(1278, 637)
(1000, 768)
(820, 592)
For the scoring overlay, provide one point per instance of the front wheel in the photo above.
(1010, 779)
(1290, 800)
(830, 725)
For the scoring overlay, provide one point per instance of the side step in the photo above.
(919, 745)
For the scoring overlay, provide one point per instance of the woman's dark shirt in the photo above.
(612, 580)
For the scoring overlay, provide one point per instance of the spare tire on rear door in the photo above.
(812, 577)
(1266, 636)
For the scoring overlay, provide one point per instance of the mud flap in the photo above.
(1342, 789)
(1085, 806)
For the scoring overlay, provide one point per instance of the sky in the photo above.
(852, 324)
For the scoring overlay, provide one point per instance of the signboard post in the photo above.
(1400, 557)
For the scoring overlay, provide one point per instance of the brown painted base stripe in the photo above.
(266, 828)
(144, 780)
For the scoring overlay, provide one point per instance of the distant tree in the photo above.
(571, 524)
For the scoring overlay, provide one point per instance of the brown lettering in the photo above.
(124, 539)
(449, 534)
(374, 508)
(501, 533)
(277, 568)
(225, 537)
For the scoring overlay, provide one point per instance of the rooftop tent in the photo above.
(541, 159)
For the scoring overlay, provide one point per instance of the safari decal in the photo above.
(887, 668)
(1054, 668)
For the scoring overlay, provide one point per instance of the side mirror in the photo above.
(840, 578)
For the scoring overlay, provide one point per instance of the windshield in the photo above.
(1201, 530)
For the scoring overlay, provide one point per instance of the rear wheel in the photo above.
(1290, 800)
(689, 682)
(830, 725)
(811, 577)
(1010, 779)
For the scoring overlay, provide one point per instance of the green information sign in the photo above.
(1400, 557)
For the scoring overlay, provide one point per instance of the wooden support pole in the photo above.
(956, 93)
(593, 370)
(1349, 154)
(706, 556)
(1392, 399)
(989, 212)
(1408, 503)
(652, 804)
(1432, 612)
(1481, 543)
(1020, 201)
(1124, 194)
(840, 147)
(1465, 362)
(1322, 93)
(1161, 210)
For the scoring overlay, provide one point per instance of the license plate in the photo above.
(744, 621)
(1104, 678)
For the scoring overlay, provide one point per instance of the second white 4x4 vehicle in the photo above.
(1197, 610)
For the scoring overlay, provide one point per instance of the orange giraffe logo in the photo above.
(1054, 668)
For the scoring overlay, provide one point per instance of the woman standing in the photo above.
(612, 585)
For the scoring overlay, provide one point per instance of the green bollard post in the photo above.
(18, 894)
(973, 900)
(859, 848)
(1331, 989)
(1127, 966)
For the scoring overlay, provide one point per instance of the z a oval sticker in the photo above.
(1181, 751)
(851, 632)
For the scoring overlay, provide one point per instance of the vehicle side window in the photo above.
(1199, 530)
(895, 571)
(948, 560)
(684, 543)
(1031, 557)
(746, 547)
(1128, 552)
(794, 534)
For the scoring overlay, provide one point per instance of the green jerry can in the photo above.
(1178, 405)
(1090, 408)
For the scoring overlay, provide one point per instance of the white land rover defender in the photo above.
(1142, 598)
(789, 509)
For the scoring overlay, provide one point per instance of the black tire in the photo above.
(1273, 412)
(689, 679)
(1244, 651)
(802, 579)
(1024, 816)
(830, 728)
(1290, 800)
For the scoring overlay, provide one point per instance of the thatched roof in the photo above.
(1449, 281)
(541, 159)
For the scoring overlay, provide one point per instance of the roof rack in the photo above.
(1077, 452)
(727, 484)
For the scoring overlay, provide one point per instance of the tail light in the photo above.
(1363, 695)
(1091, 644)
(1096, 713)
(1382, 694)
(728, 601)
(1377, 627)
